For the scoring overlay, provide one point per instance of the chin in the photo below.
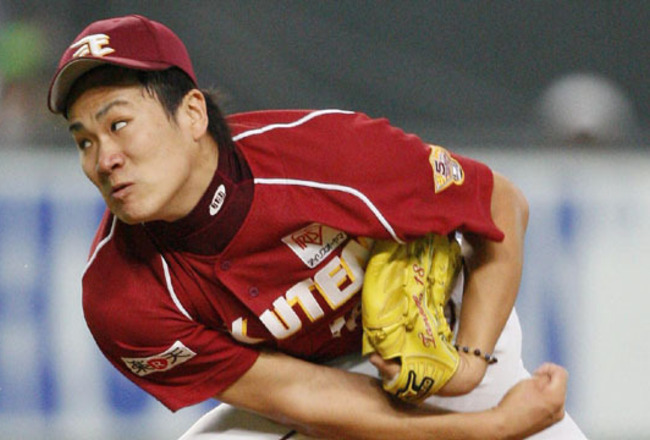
(131, 218)
(133, 213)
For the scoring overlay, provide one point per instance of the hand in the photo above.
(388, 369)
(469, 374)
(534, 404)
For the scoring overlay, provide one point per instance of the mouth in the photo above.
(120, 191)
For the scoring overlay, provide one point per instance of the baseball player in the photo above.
(231, 258)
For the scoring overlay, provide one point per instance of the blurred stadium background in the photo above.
(553, 94)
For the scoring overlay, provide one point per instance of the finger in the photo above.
(546, 369)
(559, 378)
(551, 374)
(388, 369)
(554, 373)
(552, 380)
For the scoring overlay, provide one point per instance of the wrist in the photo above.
(489, 358)
(468, 375)
(475, 368)
(498, 426)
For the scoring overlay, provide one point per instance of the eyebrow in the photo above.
(76, 126)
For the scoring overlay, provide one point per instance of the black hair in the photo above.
(170, 87)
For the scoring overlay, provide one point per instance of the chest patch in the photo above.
(312, 244)
(175, 355)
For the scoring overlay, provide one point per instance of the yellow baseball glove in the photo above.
(405, 291)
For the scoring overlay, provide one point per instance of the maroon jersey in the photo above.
(273, 255)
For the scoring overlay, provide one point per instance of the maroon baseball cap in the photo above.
(131, 41)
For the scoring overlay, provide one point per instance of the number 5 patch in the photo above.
(446, 169)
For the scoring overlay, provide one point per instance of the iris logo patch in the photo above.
(314, 243)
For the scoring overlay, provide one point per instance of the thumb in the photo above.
(388, 369)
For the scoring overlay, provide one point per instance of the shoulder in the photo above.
(278, 121)
(315, 138)
(118, 246)
(124, 275)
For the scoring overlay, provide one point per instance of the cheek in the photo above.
(152, 141)
(165, 146)
(89, 169)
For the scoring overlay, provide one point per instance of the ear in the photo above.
(196, 113)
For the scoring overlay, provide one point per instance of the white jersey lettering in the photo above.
(301, 294)
(282, 321)
(336, 282)
(239, 330)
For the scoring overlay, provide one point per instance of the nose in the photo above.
(110, 157)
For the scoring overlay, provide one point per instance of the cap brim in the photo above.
(72, 71)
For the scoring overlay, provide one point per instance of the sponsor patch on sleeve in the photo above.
(446, 170)
(175, 355)
(314, 243)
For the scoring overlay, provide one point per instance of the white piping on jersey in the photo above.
(326, 186)
(168, 280)
(170, 289)
(300, 121)
(334, 187)
(100, 245)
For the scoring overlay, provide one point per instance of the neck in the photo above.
(204, 167)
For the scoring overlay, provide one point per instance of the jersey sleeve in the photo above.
(367, 177)
(421, 187)
(147, 337)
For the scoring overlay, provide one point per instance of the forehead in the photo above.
(90, 99)
(105, 76)
(96, 101)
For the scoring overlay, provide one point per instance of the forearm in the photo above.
(330, 403)
(494, 271)
(357, 408)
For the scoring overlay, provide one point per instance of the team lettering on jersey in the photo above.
(336, 282)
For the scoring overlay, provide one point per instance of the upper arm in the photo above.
(176, 360)
(510, 212)
(508, 203)
(141, 331)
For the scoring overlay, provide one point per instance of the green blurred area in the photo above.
(21, 50)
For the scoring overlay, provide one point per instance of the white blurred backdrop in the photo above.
(584, 299)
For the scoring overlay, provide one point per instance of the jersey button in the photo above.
(225, 265)
(253, 291)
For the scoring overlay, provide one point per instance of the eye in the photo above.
(115, 126)
(83, 144)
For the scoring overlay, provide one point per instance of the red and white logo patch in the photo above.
(314, 243)
(175, 355)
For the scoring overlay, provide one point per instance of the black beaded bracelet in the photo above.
(485, 356)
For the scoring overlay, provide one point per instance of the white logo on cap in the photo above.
(95, 45)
